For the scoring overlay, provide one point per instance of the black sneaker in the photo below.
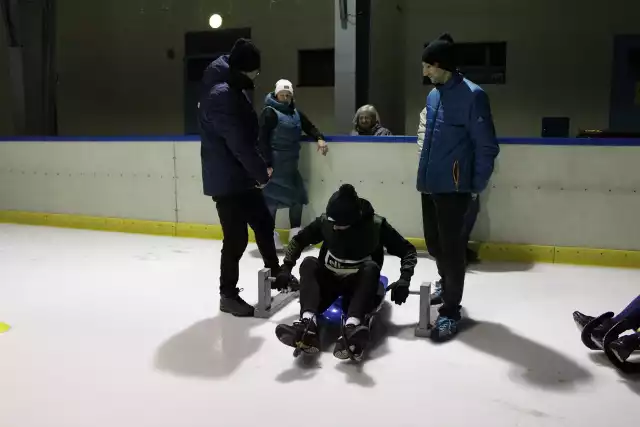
(236, 305)
(624, 346)
(303, 334)
(351, 345)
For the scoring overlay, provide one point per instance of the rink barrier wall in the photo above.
(487, 251)
(550, 200)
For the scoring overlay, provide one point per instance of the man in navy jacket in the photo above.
(233, 169)
(456, 163)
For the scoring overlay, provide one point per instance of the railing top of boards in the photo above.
(605, 142)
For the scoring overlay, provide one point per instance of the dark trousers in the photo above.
(295, 213)
(319, 288)
(236, 212)
(443, 220)
(470, 217)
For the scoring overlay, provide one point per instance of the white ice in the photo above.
(111, 329)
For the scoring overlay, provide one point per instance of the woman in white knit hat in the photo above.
(281, 128)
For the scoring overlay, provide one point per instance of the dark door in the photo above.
(624, 113)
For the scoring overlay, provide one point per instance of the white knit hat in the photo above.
(282, 85)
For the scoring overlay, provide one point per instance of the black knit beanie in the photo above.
(244, 56)
(344, 207)
(440, 51)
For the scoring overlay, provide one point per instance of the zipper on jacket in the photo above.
(433, 128)
(456, 174)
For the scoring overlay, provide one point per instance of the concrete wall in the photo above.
(558, 56)
(115, 78)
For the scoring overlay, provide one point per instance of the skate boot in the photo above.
(352, 342)
(624, 346)
(581, 320)
(593, 329)
(444, 329)
(234, 304)
(294, 284)
(436, 295)
(302, 335)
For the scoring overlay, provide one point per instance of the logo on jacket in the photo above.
(343, 267)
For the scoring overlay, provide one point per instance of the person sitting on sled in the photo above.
(353, 240)
(625, 345)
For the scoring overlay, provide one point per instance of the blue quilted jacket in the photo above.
(460, 144)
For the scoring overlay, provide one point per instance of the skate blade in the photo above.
(307, 348)
(347, 355)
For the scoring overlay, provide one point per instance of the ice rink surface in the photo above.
(118, 330)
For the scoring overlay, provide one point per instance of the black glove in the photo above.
(399, 291)
(282, 280)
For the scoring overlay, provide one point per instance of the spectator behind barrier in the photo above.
(367, 122)
(281, 127)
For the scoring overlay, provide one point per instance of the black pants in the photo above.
(470, 217)
(443, 220)
(235, 213)
(319, 288)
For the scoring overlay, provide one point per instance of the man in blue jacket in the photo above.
(456, 162)
(233, 169)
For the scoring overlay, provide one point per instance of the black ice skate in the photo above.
(581, 320)
(352, 342)
(302, 335)
(593, 329)
(235, 305)
(618, 349)
(623, 347)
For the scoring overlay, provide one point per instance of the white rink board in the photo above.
(111, 179)
(547, 195)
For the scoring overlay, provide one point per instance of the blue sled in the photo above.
(333, 314)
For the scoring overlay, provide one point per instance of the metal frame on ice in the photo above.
(268, 305)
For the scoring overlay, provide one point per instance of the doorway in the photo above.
(624, 110)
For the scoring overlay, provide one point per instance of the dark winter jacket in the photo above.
(343, 251)
(271, 118)
(460, 144)
(376, 130)
(231, 161)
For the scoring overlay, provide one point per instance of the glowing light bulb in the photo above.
(215, 21)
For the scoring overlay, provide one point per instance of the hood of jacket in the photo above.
(271, 101)
(219, 72)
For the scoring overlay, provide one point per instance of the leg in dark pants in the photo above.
(295, 216)
(469, 222)
(318, 290)
(318, 287)
(263, 225)
(450, 212)
(234, 242)
(272, 205)
(430, 229)
(363, 290)
(235, 213)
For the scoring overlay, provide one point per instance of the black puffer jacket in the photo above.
(343, 251)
